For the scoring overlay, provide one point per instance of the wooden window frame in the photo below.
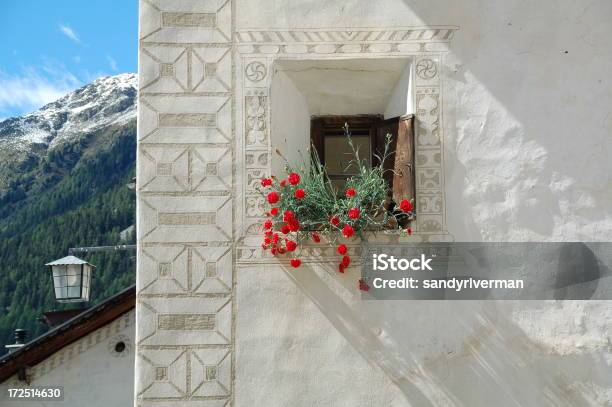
(402, 159)
(318, 124)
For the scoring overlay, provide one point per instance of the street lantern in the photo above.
(71, 279)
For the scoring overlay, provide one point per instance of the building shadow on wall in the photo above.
(525, 84)
(493, 362)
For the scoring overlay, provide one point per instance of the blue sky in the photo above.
(48, 48)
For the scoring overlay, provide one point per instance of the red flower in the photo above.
(315, 237)
(275, 238)
(267, 224)
(346, 261)
(340, 268)
(353, 213)
(296, 262)
(285, 229)
(268, 233)
(341, 249)
(273, 251)
(350, 193)
(335, 220)
(409, 231)
(291, 245)
(300, 193)
(273, 197)
(288, 216)
(281, 250)
(348, 231)
(294, 225)
(294, 178)
(267, 241)
(363, 286)
(283, 183)
(406, 206)
(266, 182)
(274, 211)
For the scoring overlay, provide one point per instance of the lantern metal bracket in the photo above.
(92, 249)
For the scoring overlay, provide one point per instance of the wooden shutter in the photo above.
(401, 161)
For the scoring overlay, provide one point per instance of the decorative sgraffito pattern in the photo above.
(184, 338)
(185, 21)
(203, 136)
(344, 41)
(424, 45)
(185, 69)
(186, 169)
(255, 71)
(187, 270)
(426, 69)
(257, 140)
(429, 171)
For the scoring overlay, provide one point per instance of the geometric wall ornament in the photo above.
(428, 178)
(255, 72)
(185, 204)
(185, 321)
(184, 169)
(164, 373)
(186, 119)
(164, 169)
(176, 68)
(186, 269)
(175, 219)
(430, 203)
(211, 372)
(166, 68)
(211, 169)
(211, 69)
(186, 21)
(256, 121)
(426, 68)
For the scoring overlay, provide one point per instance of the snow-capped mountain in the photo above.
(41, 148)
(107, 100)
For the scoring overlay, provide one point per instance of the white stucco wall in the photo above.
(512, 104)
(91, 372)
(527, 136)
(290, 123)
(401, 99)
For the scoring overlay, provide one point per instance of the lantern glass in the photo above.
(71, 280)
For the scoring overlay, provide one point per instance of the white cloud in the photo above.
(70, 33)
(112, 63)
(30, 90)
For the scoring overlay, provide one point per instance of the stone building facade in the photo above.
(512, 140)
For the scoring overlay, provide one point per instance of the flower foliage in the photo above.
(307, 205)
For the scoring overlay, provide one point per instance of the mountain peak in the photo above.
(105, 101)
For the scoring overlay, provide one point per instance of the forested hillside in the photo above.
(70, 194)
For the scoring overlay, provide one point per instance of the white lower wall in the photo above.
(90, 371)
